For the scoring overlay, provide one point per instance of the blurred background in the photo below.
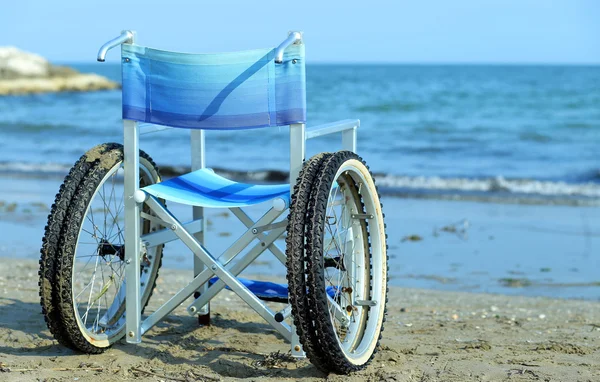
(481, 121)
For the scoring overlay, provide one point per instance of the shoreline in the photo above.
(485, 189)
(534, 250)
(429, 335)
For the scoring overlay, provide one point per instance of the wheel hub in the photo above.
(334, 262)
(105, 248)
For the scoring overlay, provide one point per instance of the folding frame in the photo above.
(228, 265)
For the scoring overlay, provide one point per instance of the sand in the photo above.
(429, 336)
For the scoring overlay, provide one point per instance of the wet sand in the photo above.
(444, 335)
(532, 250)
(429, 336)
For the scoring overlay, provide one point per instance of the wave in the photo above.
(497, 184)
(584, 191)
(533, 136)
(390, 107)
(34, 169)
(579, 126)
(27, 128)
(50, 170)
(589, 176)
(256, 176)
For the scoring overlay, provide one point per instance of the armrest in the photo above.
(331, 128)
(148, 128)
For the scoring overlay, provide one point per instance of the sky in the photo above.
(425, 31)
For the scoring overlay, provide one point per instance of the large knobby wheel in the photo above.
(90, 256)
(52, 233)
(346, 264)
(296, 260)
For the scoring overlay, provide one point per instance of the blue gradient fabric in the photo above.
(204, 188)
(270, 290)
(262, 289)
(238, 90)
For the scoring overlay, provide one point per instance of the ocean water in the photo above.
(520, 134)
(525, 140)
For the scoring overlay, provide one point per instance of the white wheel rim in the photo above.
(93, 299)
(358, 338)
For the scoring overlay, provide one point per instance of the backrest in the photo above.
(238, 90)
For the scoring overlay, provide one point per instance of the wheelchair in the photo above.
(103, 244)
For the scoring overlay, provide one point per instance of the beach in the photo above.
(463, 246)
(429, 336)
(440, 327)
(490, 183)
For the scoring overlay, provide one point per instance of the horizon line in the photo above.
(390, 63)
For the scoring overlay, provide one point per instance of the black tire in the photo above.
(295, 258)
(74, 328)
(369, 319)
(52, 233)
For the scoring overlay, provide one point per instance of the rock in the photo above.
(25, 73)
(17, 64)
(78, 82)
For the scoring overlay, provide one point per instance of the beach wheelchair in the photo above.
(103, 244)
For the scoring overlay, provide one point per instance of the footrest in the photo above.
(269, 291)
(264, 290)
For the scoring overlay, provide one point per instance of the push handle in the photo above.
(126, 37)
(293, 38)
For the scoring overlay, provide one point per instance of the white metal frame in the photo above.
(192, 233)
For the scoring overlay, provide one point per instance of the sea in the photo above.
(521, 134)
(524, 136)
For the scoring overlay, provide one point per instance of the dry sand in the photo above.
(429, 336)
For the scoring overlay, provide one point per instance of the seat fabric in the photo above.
(204, 188)
(222, 91)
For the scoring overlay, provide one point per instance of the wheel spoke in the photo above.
(91, 234)
(341, 227)
(91, 291)
(104, 208)
(83, 290)
(115, 219)
(111, 197)
(337, 304)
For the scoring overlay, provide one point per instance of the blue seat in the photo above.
(204, 188)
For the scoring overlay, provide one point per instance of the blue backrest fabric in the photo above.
(239, 90)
